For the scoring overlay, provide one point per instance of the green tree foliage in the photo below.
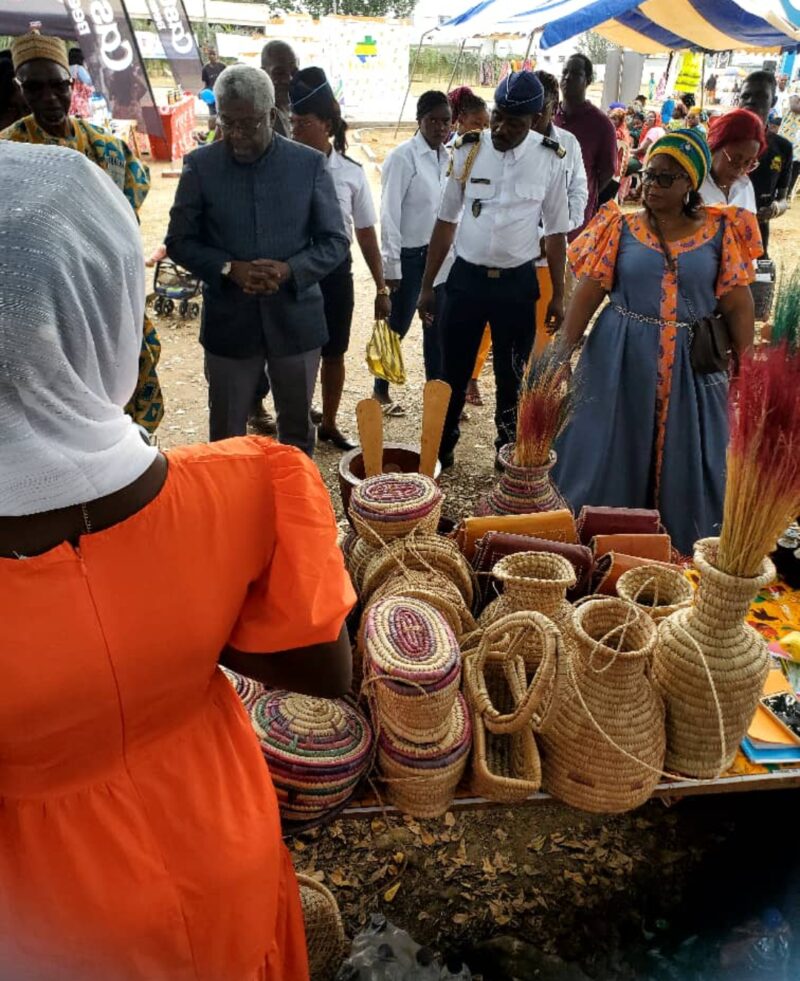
(594, 47)
(359, 8)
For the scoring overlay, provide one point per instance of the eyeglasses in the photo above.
(661, 177)
(245, 127)
(744, 166)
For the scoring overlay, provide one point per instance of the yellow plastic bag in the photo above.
(384, 354)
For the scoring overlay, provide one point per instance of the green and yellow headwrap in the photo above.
(690, 150)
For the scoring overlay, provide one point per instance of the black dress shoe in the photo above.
(335, 438)
(447, 459)
(316, 415)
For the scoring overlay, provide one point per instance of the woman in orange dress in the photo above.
(139, 829)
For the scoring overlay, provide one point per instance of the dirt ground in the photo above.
(619, 896)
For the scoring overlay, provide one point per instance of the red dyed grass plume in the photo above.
(544, 406)
(762, 496)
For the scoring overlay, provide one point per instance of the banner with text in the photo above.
(179, 43)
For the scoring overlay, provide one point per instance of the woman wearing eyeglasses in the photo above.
(649, 431)
(736, 141)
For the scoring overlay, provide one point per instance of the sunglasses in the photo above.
(743, 166)
(661, 178)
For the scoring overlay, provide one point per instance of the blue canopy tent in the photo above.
(651, 27)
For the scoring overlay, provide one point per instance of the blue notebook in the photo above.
(773, 754)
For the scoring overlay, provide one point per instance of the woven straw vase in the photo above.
(325, 938)
(522, 490)
(710, 643)
(657, 589)
(533, 581)
(603, 746)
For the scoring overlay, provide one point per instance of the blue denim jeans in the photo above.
(404, 299)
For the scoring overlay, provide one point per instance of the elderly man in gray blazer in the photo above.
(257, 219)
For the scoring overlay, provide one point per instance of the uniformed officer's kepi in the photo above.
(520, 94)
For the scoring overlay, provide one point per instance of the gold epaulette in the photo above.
(473, 140)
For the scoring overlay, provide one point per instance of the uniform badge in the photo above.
(477, 206)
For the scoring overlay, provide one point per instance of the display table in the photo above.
(177, 122)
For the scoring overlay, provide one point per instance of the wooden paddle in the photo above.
(370, 435)
(435, 400)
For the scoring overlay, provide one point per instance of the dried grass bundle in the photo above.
(762, 495)
(786, 320)
(544, 406)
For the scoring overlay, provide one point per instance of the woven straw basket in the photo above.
(246, 688)
(359, 556)
(522, 490)
(422, 780)
(603, 747)
(325, 937)
(710, 667)
(317, 750)
(536, 581)
(505, 761)
(439, 558)
(413, 668)
(439, 593)
(392, 505)
(657, 589)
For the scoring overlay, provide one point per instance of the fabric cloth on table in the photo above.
(647, 431)
(139, 828)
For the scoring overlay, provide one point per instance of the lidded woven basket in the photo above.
(603, 743)
(247, 689)
(317, 750)
(421, 780)
(413, 667)
(325, 939)
(392, 505)
(437, 557)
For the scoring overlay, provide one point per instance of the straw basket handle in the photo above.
(502, 642)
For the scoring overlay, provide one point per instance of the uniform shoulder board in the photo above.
(352, 161)
(473, 136)
(554, 145)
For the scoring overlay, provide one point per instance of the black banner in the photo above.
(179, 43)
(105, 35)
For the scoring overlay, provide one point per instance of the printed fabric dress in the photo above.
(132, 177)
(139, 830)
(647, 431)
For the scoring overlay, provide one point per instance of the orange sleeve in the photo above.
(741, 245)
(303, 593)
(594, 252)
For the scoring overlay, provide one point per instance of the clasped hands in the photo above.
(261, 277)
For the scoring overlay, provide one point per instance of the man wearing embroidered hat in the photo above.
(650, 429)
(43, 76)
(501, 182)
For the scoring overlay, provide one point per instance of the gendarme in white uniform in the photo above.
(499, 207)
(352, 190)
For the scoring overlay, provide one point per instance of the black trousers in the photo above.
(506, 300)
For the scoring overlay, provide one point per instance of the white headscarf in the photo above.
(71, 312)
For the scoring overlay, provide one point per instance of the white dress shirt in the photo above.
(741, 195)
(577, 185)
(353, 193)
(506, 195)
(411, 188)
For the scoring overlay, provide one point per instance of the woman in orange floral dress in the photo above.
(649, 431)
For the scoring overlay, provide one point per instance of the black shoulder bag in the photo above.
(710, 338)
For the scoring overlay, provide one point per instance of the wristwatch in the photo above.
(226, 268)
(384, 291)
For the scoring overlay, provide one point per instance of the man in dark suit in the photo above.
(257, 219)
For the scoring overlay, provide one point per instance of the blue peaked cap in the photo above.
(520, 93)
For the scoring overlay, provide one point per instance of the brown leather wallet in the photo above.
(496, 544)
(593, 521)
(552, 525)
(658, 548)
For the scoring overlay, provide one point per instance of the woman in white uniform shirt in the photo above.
(316, 120)
(411, 187)
(736, 141)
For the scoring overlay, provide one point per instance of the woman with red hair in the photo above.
(736, 141)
